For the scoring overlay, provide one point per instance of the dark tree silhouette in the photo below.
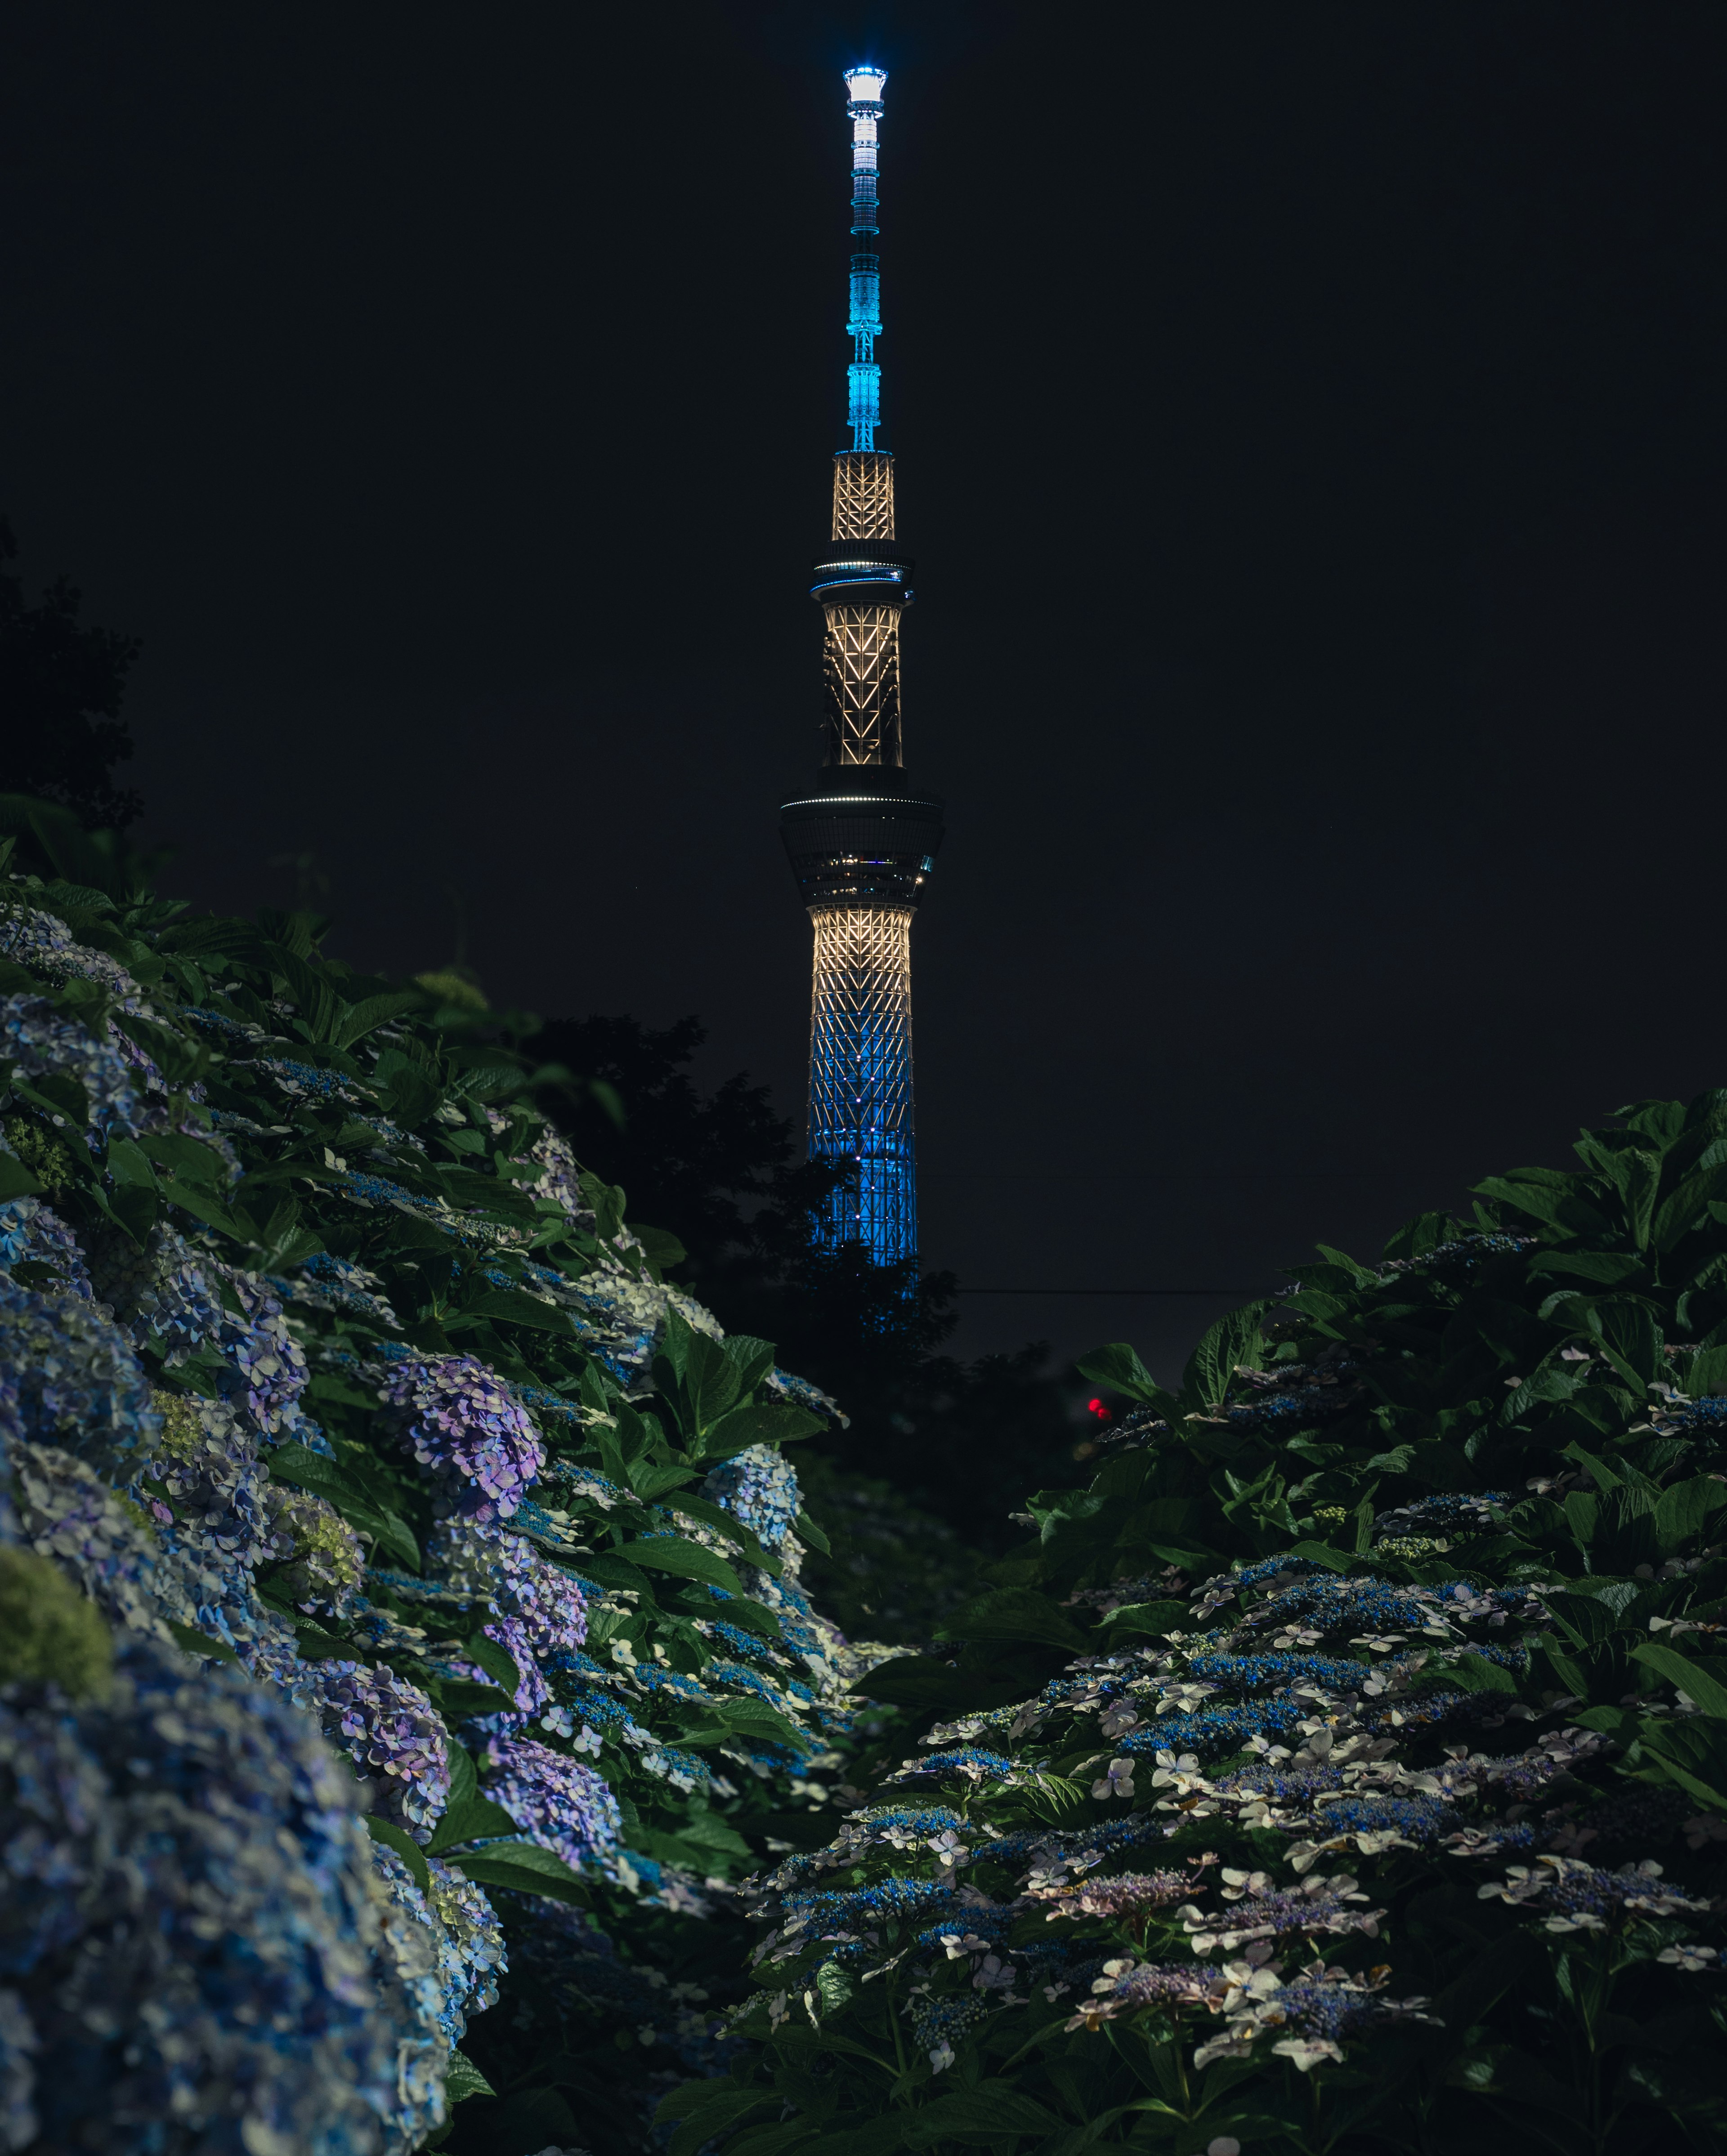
(61, 682)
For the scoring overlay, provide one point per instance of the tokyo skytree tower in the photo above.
(861, 837)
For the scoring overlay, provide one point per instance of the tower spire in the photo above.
(861, 837)
(864, 86)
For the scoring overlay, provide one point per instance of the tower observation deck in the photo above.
(861, 837)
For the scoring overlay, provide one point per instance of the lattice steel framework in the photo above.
(860, 1076)
(863, 495)
(859, 659)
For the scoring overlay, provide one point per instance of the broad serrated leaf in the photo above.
(757, 1422)
(1233, 1340)
(472, 1818)
(978, 2115)
(16, 1180)
(1118, 1365)
(358, 1019)
(462, 2079)
(460, 1699)
(200, 1643)
(527, 1867)
(724, 1522)
(497, 1664)
(688, 1560)
(754, 1359)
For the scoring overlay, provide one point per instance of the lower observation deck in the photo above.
(862, 573)
(862, 834)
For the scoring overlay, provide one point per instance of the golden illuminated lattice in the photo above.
(860, 1074)
(863, 495)
(860, 664)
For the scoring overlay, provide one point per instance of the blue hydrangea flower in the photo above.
(43, 941)
(759, 1487)
(30, 1229)
(77, 1382)
(190, 1794)
(43, 1044)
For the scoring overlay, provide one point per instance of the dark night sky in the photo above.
(1308, 420)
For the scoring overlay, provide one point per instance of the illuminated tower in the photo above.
(861, 837)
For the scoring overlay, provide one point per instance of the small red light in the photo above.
(1097, 1408)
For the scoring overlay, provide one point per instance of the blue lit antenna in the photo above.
(861, 837)
(864, 86)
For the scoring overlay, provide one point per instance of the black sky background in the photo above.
(1308, 422)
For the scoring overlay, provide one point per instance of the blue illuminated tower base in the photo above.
(860, 1076)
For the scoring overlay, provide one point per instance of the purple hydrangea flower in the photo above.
(539, 1611)
(560, 1177)
(462, 1421)
(394, 1731)
(175, 1302)
(65, 1511)
(556, 1801)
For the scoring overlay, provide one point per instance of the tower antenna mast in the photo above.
(862, 838)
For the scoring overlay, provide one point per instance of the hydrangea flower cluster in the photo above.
(471, 1951)
(465, 1423)
(1128, 1894)
(559, 1802)
(31, 937)
(72, 1377)
(1584, 1899)
(1452, 1512)
(126, 1825)
(1321, 2007)
(63, 1510)
(30, 1232)
(759, 1487)
(416, 1991)
(187, 1298)
(325, 1282)
(323, 1559)
(41, 1043)
(208, 1465)
(153, 1388)
(395, 1733)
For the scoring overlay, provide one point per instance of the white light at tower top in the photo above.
(864, 83)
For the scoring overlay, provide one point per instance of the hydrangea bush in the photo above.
(1345, 1770)
(424, 1614)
